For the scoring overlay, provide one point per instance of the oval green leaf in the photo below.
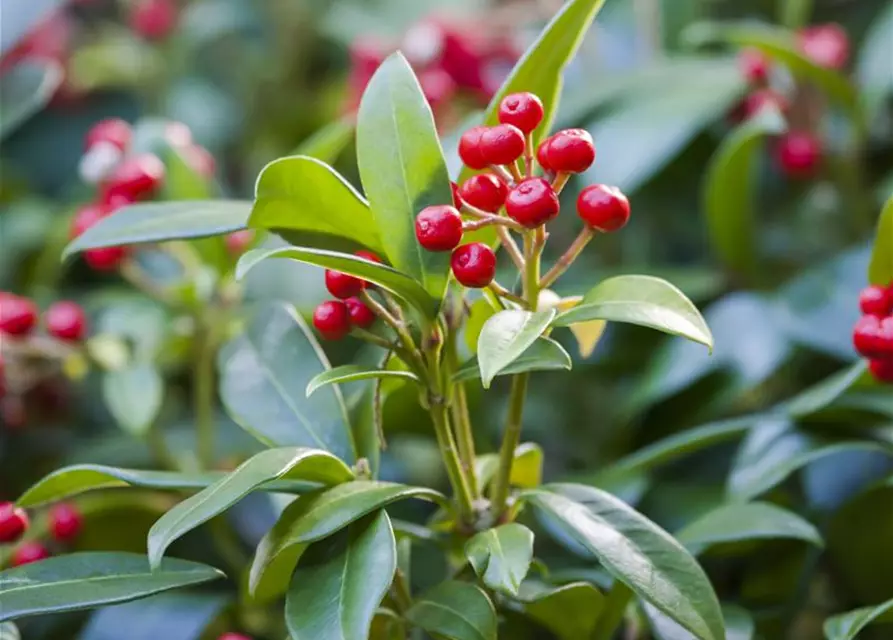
(353, 373)
(847, 626)
(134, 396)
(569, 611)
(455, 610)
(172, 616)
(635, 551)
(643, 300)
(340, 581)
(544, 354)
(501, 556)
(505, 336)
(880, 269)
(87, 580)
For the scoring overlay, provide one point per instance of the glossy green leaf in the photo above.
(386, 277)
(263, 374)
(456, 611)
(527, 466)
(25, 89)
(172, 616)
(635, 551)
(730, 192)
(328, 142)
(824, 393)
(303, 194)
(134, 396)
(507, 335)
(847, 626)
(8, 631)
(340, 581)
(880, 270)
(739, 624)
(314, 516)
(287, 463)
(501, 556)
(643, 300)
(746, 521)
(569, 611)
(403, 169)
(544, 354)
(87, 580)
(353, 373)
(160, 221)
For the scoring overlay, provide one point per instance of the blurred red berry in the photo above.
(438, 228)
(474, 264)
(484, 191)
(136, 177)
(603, 208)
(873, 337)
(881, 369)
(876, 300)
(800, 154)
(532, 202)
(762, 98)
(502, 144)
(342, 285)
(177, 134)
(86, 217)
(65, 522)
(105, 258)
(368, 255)
(360, 314)
(569, 151)
(13, 522)
(754, 66)
(234, 636)
(332, 320)
(153, 19)
(112, 131)
(238, 241)
(826, 45)
(199, 160)
(18, 315)
(423, 44)
(437, 86)
(29, 552)
(462, 59)
(66, 320)
(523, 110)
(470, 148)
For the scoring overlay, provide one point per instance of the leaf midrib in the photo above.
(455, 612)
(126, 576)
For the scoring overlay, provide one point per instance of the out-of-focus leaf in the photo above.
(328, 142)
(114, 59)
(180, 616)
(880, 270)
(134, 396)
(847, 626)
(543, 355)
(739, 624)
(501, 556)
(25, 89)
(826, 392)
(873, 64)
(480, 312)
(569, 611)
(527, 466)
(455, 610)
(8, 631)
(353, 373)
(506, 336)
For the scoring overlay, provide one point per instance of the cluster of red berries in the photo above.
(334, 319)
(65, 523)
(153, 19)
(64, 320)
(873, 335)
(529, 201)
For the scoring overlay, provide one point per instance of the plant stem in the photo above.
(499, 490)
(448, 450)
(462, 422)
(612, 613)
(502, 292)
(505, 238)
(203, 391)
(568, 257)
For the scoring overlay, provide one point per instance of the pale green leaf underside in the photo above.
(501, 556)
(354, 373)
(544, 354)
(847, 626)
(505, 336)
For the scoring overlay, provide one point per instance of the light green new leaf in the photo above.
(635, 551)
(403, 169)
(25, 89)
(544, 354)
(527, 466)
(501, 556)
(340, 581)
(134, 396)
(353, 373)
(87, 580)
(304, 194)
(880, 270)
(643, 300)
(847, 626)
(569, 611)
(455, 610)
(287, 463)
(505, 336)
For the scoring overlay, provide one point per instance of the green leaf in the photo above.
(527, 466)
(643, 300)
(544, 354)
(730, 192)
(569, 611)
(481, 311)
(501, 556)
(340, 581)
(161, 221)
(403, 169)
(25, 89)
(505, 336)
(134, 396)
(172, 616)
(873, 65)
(847, 626)
(746, 521)
(263, 373)
(386, 277)
(304, 194)
(819, 396)
(635, 551)
(327, 143)
(86, 580)
(8, 631)
(353, 373)
(287, 463)
(455, 610)
(880, 270)
(739, 624)
(314, 516)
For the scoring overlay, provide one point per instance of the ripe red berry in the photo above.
(332, 319)
(238, 241)
(18, 315)
(542, 155)
(234, 636)
(484, 191)
(154, 19)
(474, 264)
(876, 300)
(881, 369)
(86, 217)
(66, 320)
(799, 154)
(29, 552)
(65, 522)
(873, 337)
(368, 255)
(438, 228)
(502, 144)
(754, 66)
(105, 258)
(342, 285)
(136, 177)
(470, 148)
(360, 315)
(826, 45)
(523, 110)
(13, 522)
(532, 202)
(112, 131)
(569, 151)
(602, 207)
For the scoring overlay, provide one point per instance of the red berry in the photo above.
(234, 636)
(66, 320)
(502, 144)
(112, 131)
(134, 178)
(360, 315)
(523, 110)
(873, 337)
(881, 369)
(457, 200)
(332, 319)
(569, 151)
(602, 207)
(342, 285)
(532, 202)
(154, 19)
(86, 217)
(485, 192)
(13, 522)
(105, 258)
(29, 552)
(238, 241)
(826, 45)
(65, 522)
(474, 264)
(470, 148)
(754, 66)
(542, 154)
(799, 154)
(438, 228)
(875, 300)
(368, 255)
(18, 315)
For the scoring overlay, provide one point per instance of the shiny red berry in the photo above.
(342, 285)
(13, 522)
(754, 66)
(112, 131)
(332, 319)
(881, 369)
(873, 337)
(569, 151)
(532, 202)
(65, 522)
(876, 300)
(523, 110)
(438, 228)
(360, 315)
(18, 315)
(135, 178)
(238, 241)
(502, 144)
(484, 191)
(368, 255)
(800, 154)
(29, 552)
(105, 258)
(154, 19)
(542, 155)
(826, 45)
(602, 207)
(470, 148)
(66, 320)
(457, 200)
(474, 264)
(86, 217)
